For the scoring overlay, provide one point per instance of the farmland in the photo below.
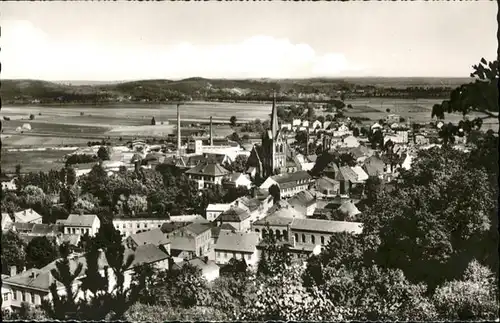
(75, 125)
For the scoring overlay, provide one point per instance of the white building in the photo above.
(81, 224)
(237, 245)
(214, 210)
(239, 180)
(27, 216)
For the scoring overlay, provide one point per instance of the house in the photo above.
(361, 152)
(350, 142)
(154, 237)
(362, 176)
(256, 207)
(207, 174)
(287, 126)
(214, 210)
(296, 122)
(27, 216)
(145, 254)
(6, 221)
(392, 118)
(347, 177)
(81, 224)
(305, 123)
(284, 209)
(304, 202)
(289, 183)
(349, 210)
(237, 245)
(327, 187)
(237, 217)
(128, 226)
(209, 269)
(316, 124)
(9, 185)
(239, 180)
(326, 125)
(193, 240)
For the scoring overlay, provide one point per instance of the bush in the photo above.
(32, 117)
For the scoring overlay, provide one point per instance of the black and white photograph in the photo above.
(249, 161)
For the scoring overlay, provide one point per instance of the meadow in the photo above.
(32, 161)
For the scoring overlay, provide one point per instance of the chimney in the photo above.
(13, 271)
(178, 130)
(211, 133)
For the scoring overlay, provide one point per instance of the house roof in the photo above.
(348, 208)
(214, 158)
(373, 169)
(235, 176)
(5, 217)
(312, 158)
(326, 183)
(345, 173)
(360, 173)
(332, 167)
(145, 254)
(237, 241)
(274, 220)
(250, 203)
(155, 237)
(234, 214)
(210, 169)
(27, 215)
(47, 228)
(291, 177)
(205, 266)
(218, 206)
(80, 220)
(225, 226)
(23, 227)
(183, 243)
(303, 198)
(326, 225)
(197, 228)
(360, 151)
(284, 209)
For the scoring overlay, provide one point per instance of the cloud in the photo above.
(28, 52)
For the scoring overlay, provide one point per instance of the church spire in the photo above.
(274, 118)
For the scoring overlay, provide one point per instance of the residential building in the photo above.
(207, 174)
(6, 221)
(9, 185)
(290, 183)
(237, 245)
(316, 124)
(129, 226)
(304, 202)
(193, 240)
(283, 209)
(214, 210)
(27, 216)
(347, 178)
(145, 254)
(237, 217)
(239, 180)
(327, 187)
(154, 237)
(362, 176)
(349, 210)
(81, 224)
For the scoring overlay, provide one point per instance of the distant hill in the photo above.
(23, 91)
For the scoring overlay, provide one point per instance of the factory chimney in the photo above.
(211, 133)
(178, 130)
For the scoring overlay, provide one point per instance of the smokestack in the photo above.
(211, 133)
(307, 142)
(178, 130)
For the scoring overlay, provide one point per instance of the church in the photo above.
(274, 155)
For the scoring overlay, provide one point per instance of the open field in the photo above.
(27, 140)
(32, 161)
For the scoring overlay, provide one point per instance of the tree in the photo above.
(233, 121)
(13, 252)
(274, 191)
(153, 121)
(32, 116)
(329, 117)
(103, 153)
(321, 119)
(474, 297)
(388, 110)
(355, 132)
(239, 165)
(40, 252)
(136, 204)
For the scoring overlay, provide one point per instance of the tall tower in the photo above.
(211, 133)
(278, 144)
(274, 118)
(178, 130)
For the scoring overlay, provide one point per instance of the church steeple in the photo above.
(274, 118)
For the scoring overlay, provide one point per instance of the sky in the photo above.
(116, 41)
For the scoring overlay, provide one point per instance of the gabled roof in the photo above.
(234, 214)
(348, 208)
(326, 183)
(197, 228)
(250, 203)
(283, 208)
(373, 170)
(46, 228)
(23, 227)
(83, 220)
(238, 241)
(291, 177)
(27, 215)
(155, 237)
(214, 158)
(184, 243)
(210, 169)
(360, 173)
(145, 254)
(345, 173)
(274, 220)
(225, 226)
(303, 198)
(312, 158)
(235, 176)
(332, 167)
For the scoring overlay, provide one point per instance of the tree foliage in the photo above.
(13, 252)
(40, 252)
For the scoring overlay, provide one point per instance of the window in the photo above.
(32, 295)
(296, 237)
(313, 239)
(145, 225)
(123, 226)
(24, 296)
(322, 240)
(6, 297)
(14, 294)
(303, 237)
(138, 225)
